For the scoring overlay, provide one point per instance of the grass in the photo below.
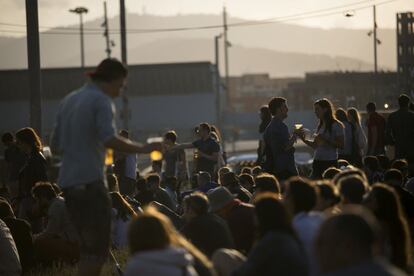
(69, 270)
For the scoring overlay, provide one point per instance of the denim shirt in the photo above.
(85, 121)
(276, 137)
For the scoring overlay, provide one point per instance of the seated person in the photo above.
(22, 235)
(59, 240)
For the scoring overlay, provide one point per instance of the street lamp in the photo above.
(81, 11)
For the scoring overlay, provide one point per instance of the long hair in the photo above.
(272, 215)
(329, 116)
(123, 208)
(154, 231)
(29, 136)
(341, 115)
(265, 118)
(354, 114)
(389, 213)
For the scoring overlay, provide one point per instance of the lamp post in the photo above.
(218, 87)
(81, 11)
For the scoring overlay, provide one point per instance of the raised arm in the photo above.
(121, 144)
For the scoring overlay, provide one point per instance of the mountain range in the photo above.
(279, 49)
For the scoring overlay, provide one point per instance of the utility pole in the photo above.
(106, 33)
(81, 11)
(226, 45)
(376, 41)
(33, 58)
(122, 23)
(218, 87)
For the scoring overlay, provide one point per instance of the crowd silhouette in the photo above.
(353, 215)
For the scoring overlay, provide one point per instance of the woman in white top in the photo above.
(329, 138)
(122, 213)
(360, 140)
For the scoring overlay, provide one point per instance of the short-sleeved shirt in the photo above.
(171, 158)
(208, 146)
(276, 138)
(85, 121)
(376, 120)
(328, 152)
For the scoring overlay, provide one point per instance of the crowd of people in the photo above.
(353, 215)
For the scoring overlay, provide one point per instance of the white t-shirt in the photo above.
(329, 152)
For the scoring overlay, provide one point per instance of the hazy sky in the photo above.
(55, 12)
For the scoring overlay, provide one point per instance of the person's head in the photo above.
(328, 195)
(111, 76)
(195, 205)
(123, 209)
(230, 179)
(342, 163)
(402, 166)
(220, 199)
(349, 172)
(345, 240)
(384, 162)
(246, 170)
(300, 195)
(153, 181)
(371, 107)
(341, 115)
(141, 185)
(330, 173)
(156, 166)
(113, 185)
(6, 210)
(43, 193)
(394, 177)
(371, 164)
(265, 114)
(154, 231)
(28, 141)
(267, 183)
(352, 189)
(204, 130)
(170, 138)
(203, 178)
(7, 139)
(272, 215)
(383, 202)
(124, 133)
(353, 116)
(404, 101)
(150, 231)
(257, 171)
(278, 107)
(171, 182)
(247, 181)
(324, 111)
(222, 171)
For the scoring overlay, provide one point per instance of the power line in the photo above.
(288, 18)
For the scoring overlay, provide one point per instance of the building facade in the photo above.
(161, 97)
(405, 51)
(344, 89)
(247, 93)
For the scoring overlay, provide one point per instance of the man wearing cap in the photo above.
(208, 150)
(238, 215)
(85, 127)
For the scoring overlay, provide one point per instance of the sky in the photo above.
(55, 12)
